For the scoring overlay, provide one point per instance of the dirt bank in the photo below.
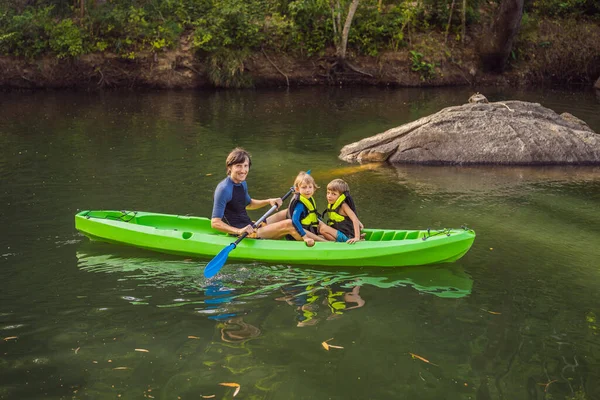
(449, 64)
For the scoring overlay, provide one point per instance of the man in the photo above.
(232, 200)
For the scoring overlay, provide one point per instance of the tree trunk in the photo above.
(496, 44)
(449, 22)
(341, 50)
(464, 21)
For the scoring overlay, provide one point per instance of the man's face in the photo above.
(239, 172)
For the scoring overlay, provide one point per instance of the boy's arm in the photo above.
(355, 222)
(296, 219)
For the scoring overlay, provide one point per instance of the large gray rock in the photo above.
(513, 132)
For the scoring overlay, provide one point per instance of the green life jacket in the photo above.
(338, 221)
(310, 221)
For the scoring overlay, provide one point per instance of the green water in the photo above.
(517, 318)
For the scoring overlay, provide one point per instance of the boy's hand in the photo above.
(275, 202)
(309, 242)
(353, 240)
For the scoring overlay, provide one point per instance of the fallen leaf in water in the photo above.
(208, 174)
(77, 350)
(10, 337)
(491, 248)
(143, 350)
(232, 384)
(422, 359)
(327, 346)
(547, 384)
(208, 397)
(121, 368)
(193, 337)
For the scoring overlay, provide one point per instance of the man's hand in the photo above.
(247, 228)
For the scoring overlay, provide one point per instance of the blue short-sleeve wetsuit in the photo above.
(299, 213)
(230, 203)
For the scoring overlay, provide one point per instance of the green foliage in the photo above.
(312, 28)
(226, 69)
(25, 34)
(230, 24)
(426, 69)
(566, 8)
(66, 39)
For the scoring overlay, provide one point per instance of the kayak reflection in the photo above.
(315, 294)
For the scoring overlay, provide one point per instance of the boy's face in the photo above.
(239, 172)
(306, 190)
(332, 196)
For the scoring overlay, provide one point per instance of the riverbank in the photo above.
(556, 53)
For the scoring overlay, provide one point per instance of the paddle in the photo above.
(215, 265)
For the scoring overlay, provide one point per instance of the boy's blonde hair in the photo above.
(338, 185)
(303, 177)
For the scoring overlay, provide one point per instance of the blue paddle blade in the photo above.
(215, 265)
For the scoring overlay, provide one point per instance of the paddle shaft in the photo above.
(264, 217)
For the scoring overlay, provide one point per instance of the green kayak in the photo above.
(193, 236)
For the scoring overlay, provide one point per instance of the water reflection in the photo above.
(427, 180)
(337, 289)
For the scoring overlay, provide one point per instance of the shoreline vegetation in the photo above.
(272, 43)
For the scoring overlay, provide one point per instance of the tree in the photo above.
(341, 33)
(496, 44)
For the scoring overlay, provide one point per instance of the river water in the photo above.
(517, 317)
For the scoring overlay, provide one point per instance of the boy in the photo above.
(342, 223)
(303, 209)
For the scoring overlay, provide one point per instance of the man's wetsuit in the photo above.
(230, 203)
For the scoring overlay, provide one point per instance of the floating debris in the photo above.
(413, 355)
(121, 368)
(546, 385)
(491, 312)
(77, 350)
(232, 384)
(10, 338)
(193, 337)
(143, 350)
(328, 346)
(208, 397)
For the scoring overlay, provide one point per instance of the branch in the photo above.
(276, 67)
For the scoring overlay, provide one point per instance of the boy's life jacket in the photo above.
(338, 221)
(309, 218)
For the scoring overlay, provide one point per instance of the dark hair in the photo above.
(237, 156)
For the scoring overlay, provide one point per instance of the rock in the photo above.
(478, 98)
(597, 84)
(511, 132)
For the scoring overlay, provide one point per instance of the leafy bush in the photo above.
(426, 69)
(66, 39)
(229, 24)
(25, 34)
